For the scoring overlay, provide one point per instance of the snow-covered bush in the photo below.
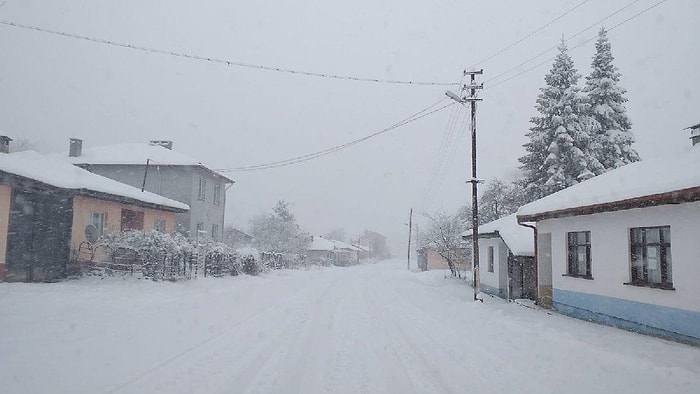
(251, 261)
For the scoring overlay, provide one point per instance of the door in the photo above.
(544, 269)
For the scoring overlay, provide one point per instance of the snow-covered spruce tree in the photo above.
(612, 139)
(558, 153)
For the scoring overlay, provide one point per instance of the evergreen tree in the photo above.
(612, 138)
(558, 154)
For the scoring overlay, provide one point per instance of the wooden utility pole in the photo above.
(472, 87)
(410, 226)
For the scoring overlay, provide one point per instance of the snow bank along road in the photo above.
(366, 329)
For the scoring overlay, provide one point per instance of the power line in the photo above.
(440, 156)
(530, 34)
(579, 45)
(227, 62)
(310, 156)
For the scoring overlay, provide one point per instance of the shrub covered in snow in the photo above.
(160, 255)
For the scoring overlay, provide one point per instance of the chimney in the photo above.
(76, 147)
(164, 144)
(5, 144)
(694, 134)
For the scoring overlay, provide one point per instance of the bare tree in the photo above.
(444, 235)
(278, 232)
(499, 199)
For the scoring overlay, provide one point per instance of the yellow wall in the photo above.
(437, 262)
(5, 197)
(82, 206)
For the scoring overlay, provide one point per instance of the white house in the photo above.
(506, 255)
(332, 251)
(623, 249)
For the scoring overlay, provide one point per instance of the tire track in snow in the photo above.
(275, 307)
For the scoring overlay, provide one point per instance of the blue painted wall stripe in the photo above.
(633, 315)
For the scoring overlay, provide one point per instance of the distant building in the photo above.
(236, 238)
(375, 243)
(49, 209)
(167, 173)
(329, 251)
(430, 259)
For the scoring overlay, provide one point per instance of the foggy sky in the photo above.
(53, 88)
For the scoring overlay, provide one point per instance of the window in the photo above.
(132, 220)
(579, 245)
(97, 219)
(200, 230)
(214, 231)
(202, 189)
(159, 225)
(650, 256)
(490, 258)
(217, 194)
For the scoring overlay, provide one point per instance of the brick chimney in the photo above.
(694, 133)
(5, 144)
(76, 147)
(164, 144)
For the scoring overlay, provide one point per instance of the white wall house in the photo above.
(623, 249)
(506, 251)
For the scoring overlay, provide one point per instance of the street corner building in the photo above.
(157, 168)
(51, 209)
(622, 248)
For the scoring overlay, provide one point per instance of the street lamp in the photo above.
(471, 99)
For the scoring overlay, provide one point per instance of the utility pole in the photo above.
(145, 174)
(472, 99)
(474, 181)
(410, 227)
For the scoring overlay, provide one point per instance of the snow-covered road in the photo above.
(365, 329)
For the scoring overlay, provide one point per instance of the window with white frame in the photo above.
(202, 189)
(579, 256)
(214, 231)
(97, 219)
(650, 257)
(159, 224)
(217, 194)
(490, 257)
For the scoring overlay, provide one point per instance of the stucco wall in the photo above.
(180, 183)
(495, 282)
(82, 206)
(610, 260)
(5, 198)
(490, 281)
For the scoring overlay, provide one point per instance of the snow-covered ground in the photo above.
(366, 329)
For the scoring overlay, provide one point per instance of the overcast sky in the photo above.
(53, 88)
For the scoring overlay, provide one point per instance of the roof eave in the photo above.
(681, 196)
(128, 200)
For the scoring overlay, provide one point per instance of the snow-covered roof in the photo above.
(61, 174)
(519, 239)
(320, 243)
(622, 187)
(134, 154)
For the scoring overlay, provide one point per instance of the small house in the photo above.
(622, 248)
(328, 251)
(50, 210)
(506, 258)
